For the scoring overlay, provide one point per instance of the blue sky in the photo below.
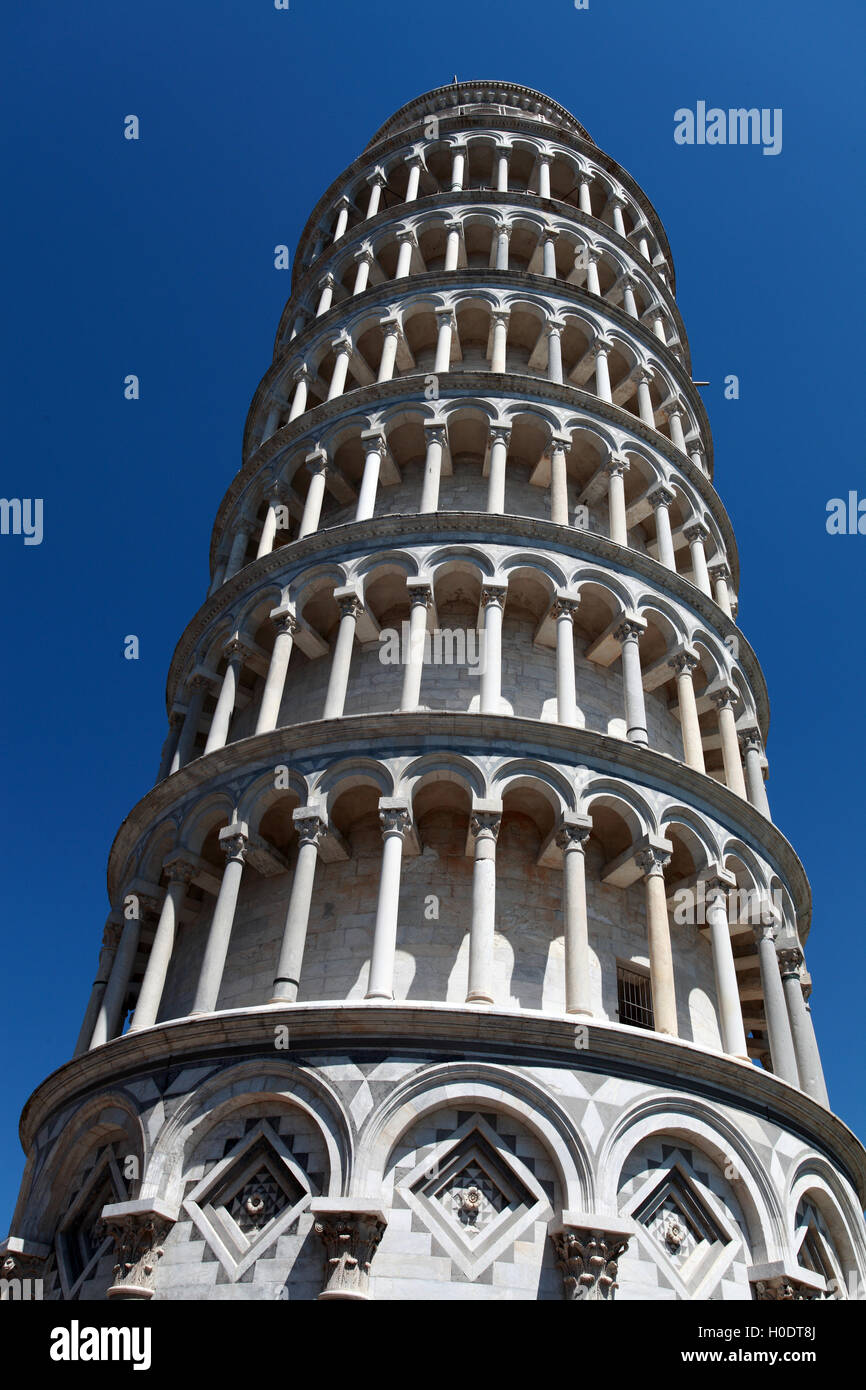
(156, 258)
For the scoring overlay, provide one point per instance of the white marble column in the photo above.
(500, 437)
(234, 652)
(350, 607)
(617, 204)
(644, 398)
(415, 164)
(558, 447)
(499, 359)
(652, 861)
(197, 688)
(483, 830)
(724, 699)
(629, 285)
(311, 830)
(583, 198)
(374, 446)
(805, 1047)
(453, 228)
(502, 158)
(696, 533)
(628, 634)
(286, 625)
(327, 285)
(317, 467)
(95, 1011)
(302, 379)
(548, 253)
(779, 1035)
(276, 495)
(684, 663)
(674, 413)
(660, 500)
(563, 611)
(721, 579)
(436, 438)
(458, 167)
(233, 840)
(659, 326)
(396, 821)
(717, 884)
(169, 748)
(407, 241)
(544, 162)
(342, 349)
(601, 350)
(342, 222)
(616, 468)
(179, 874)
(493, 603)
(109, 1021)
(390, 326)
(752, 748)
(503, 236)
(420, 599)
(593, 283)
(364, 261)
(377, 183)
(445, 321)
(572, 837)
(554, 350)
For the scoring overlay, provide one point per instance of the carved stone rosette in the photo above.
(588, 1259)
(351, 1239)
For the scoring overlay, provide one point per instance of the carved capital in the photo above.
(589, 1261)
(484, 825)
(310, 826)
(351, 1239)
(630, 630)
(662, 496)
(350, 606)
(652, 861)
(139, 1235)
(783, 1289)
(617, 464)
(234, 842)
(697, 531)
(493, 594)
(684, 662)
(394, 820)
(790, 962)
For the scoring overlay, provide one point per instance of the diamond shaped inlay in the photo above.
(475, 1195)
(249, 1199)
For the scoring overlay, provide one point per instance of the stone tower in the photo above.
(455, 944)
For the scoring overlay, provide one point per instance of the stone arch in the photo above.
(686, 1117)
(473, 1085)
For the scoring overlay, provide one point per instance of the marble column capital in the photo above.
(751, 739)
(791, 961)
(395, 817)
(601, 347)
(373, 441)
(493, 595)
(234, 841)
(724, 696)
(284, 620)
(350, 1232)
(696, 531)
(139, 1231)
(652, 858)
(616, 464)
(317, 461)
(684, 661)
(629, 629)
(436, 433)
(588, 1257)
(573, 831)
(179, 868)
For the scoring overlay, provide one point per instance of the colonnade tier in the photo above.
(440, 328)
(469, 153)
(499, 455)
(461, 626)
(600, 855)
(480, 235)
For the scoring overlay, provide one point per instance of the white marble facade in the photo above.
(454, 953)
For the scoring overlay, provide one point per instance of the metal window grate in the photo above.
(634, 996)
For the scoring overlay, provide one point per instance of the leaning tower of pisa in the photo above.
(454, 952)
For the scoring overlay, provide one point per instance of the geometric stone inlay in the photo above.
(685, 1235)
(82, 1239)
(249, 1199)
(475, 1196)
